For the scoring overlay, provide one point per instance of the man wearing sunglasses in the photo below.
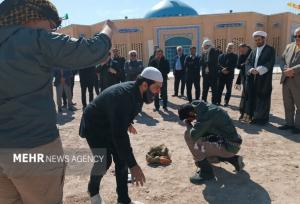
(290, 80)
(29, 53)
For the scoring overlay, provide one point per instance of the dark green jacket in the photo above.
(213, 120)
(28, 58)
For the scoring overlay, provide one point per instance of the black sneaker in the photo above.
(286, 127)
(59, 110)
(238, 163)
(200, 177)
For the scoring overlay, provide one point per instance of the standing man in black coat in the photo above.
(192, 67)
(259, 70)
(179, 71)
(210, 69)
(105, 124)
(121, 62)
(110, 73)
(244, 52)
(227, 63)
(88, 79)
(162, 64)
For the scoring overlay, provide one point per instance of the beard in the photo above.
(148, 96)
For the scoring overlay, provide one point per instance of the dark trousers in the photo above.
(212, 82)
(164, 95)
(179, 77)
(225, 80)
(72, 85)
(189, 84)
(84, 87)
(64, 96)
(121, 171)
(258, 104)
(97, 87)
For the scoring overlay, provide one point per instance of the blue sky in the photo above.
(93, 11)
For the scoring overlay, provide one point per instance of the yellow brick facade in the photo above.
(143, 34)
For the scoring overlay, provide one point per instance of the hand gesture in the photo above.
(111, 25)
(289, 72)
(237, 87)
(137, 175)
(111, 70)
(225, 71)
(254, 71)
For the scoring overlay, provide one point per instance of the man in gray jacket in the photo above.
(29, 52)
(133, 67)
(290, 81)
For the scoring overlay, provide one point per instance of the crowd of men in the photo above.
(115, 69)
(216, 68)
(28, 115)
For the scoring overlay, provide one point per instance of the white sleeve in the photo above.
(262, 70)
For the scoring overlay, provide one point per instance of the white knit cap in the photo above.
(152, 74)
(259, 33)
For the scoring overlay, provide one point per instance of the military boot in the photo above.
(204, 174)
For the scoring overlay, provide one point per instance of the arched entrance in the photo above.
(172, 43)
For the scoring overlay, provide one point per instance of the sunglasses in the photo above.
(296, 36)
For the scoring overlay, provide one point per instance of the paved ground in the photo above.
(272, 159)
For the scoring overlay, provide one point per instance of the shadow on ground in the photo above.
(232, 188)
(270, 127)
(144, 118)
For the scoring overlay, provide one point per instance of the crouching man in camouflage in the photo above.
(212, 136)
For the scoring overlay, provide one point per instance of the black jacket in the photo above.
(241, 65)
(210, 60)
(88, 76)
(266, 59)
(192, 65)
(108, 117)
(121, 62)
(229, 61)
(163, 66)
(108, 79)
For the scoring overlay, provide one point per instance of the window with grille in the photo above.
(237, 41)
(221, 43)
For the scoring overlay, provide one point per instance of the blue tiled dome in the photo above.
(168, 8)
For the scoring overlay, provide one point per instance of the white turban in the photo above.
(207, 42)
(132, 52)
(259, 33)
